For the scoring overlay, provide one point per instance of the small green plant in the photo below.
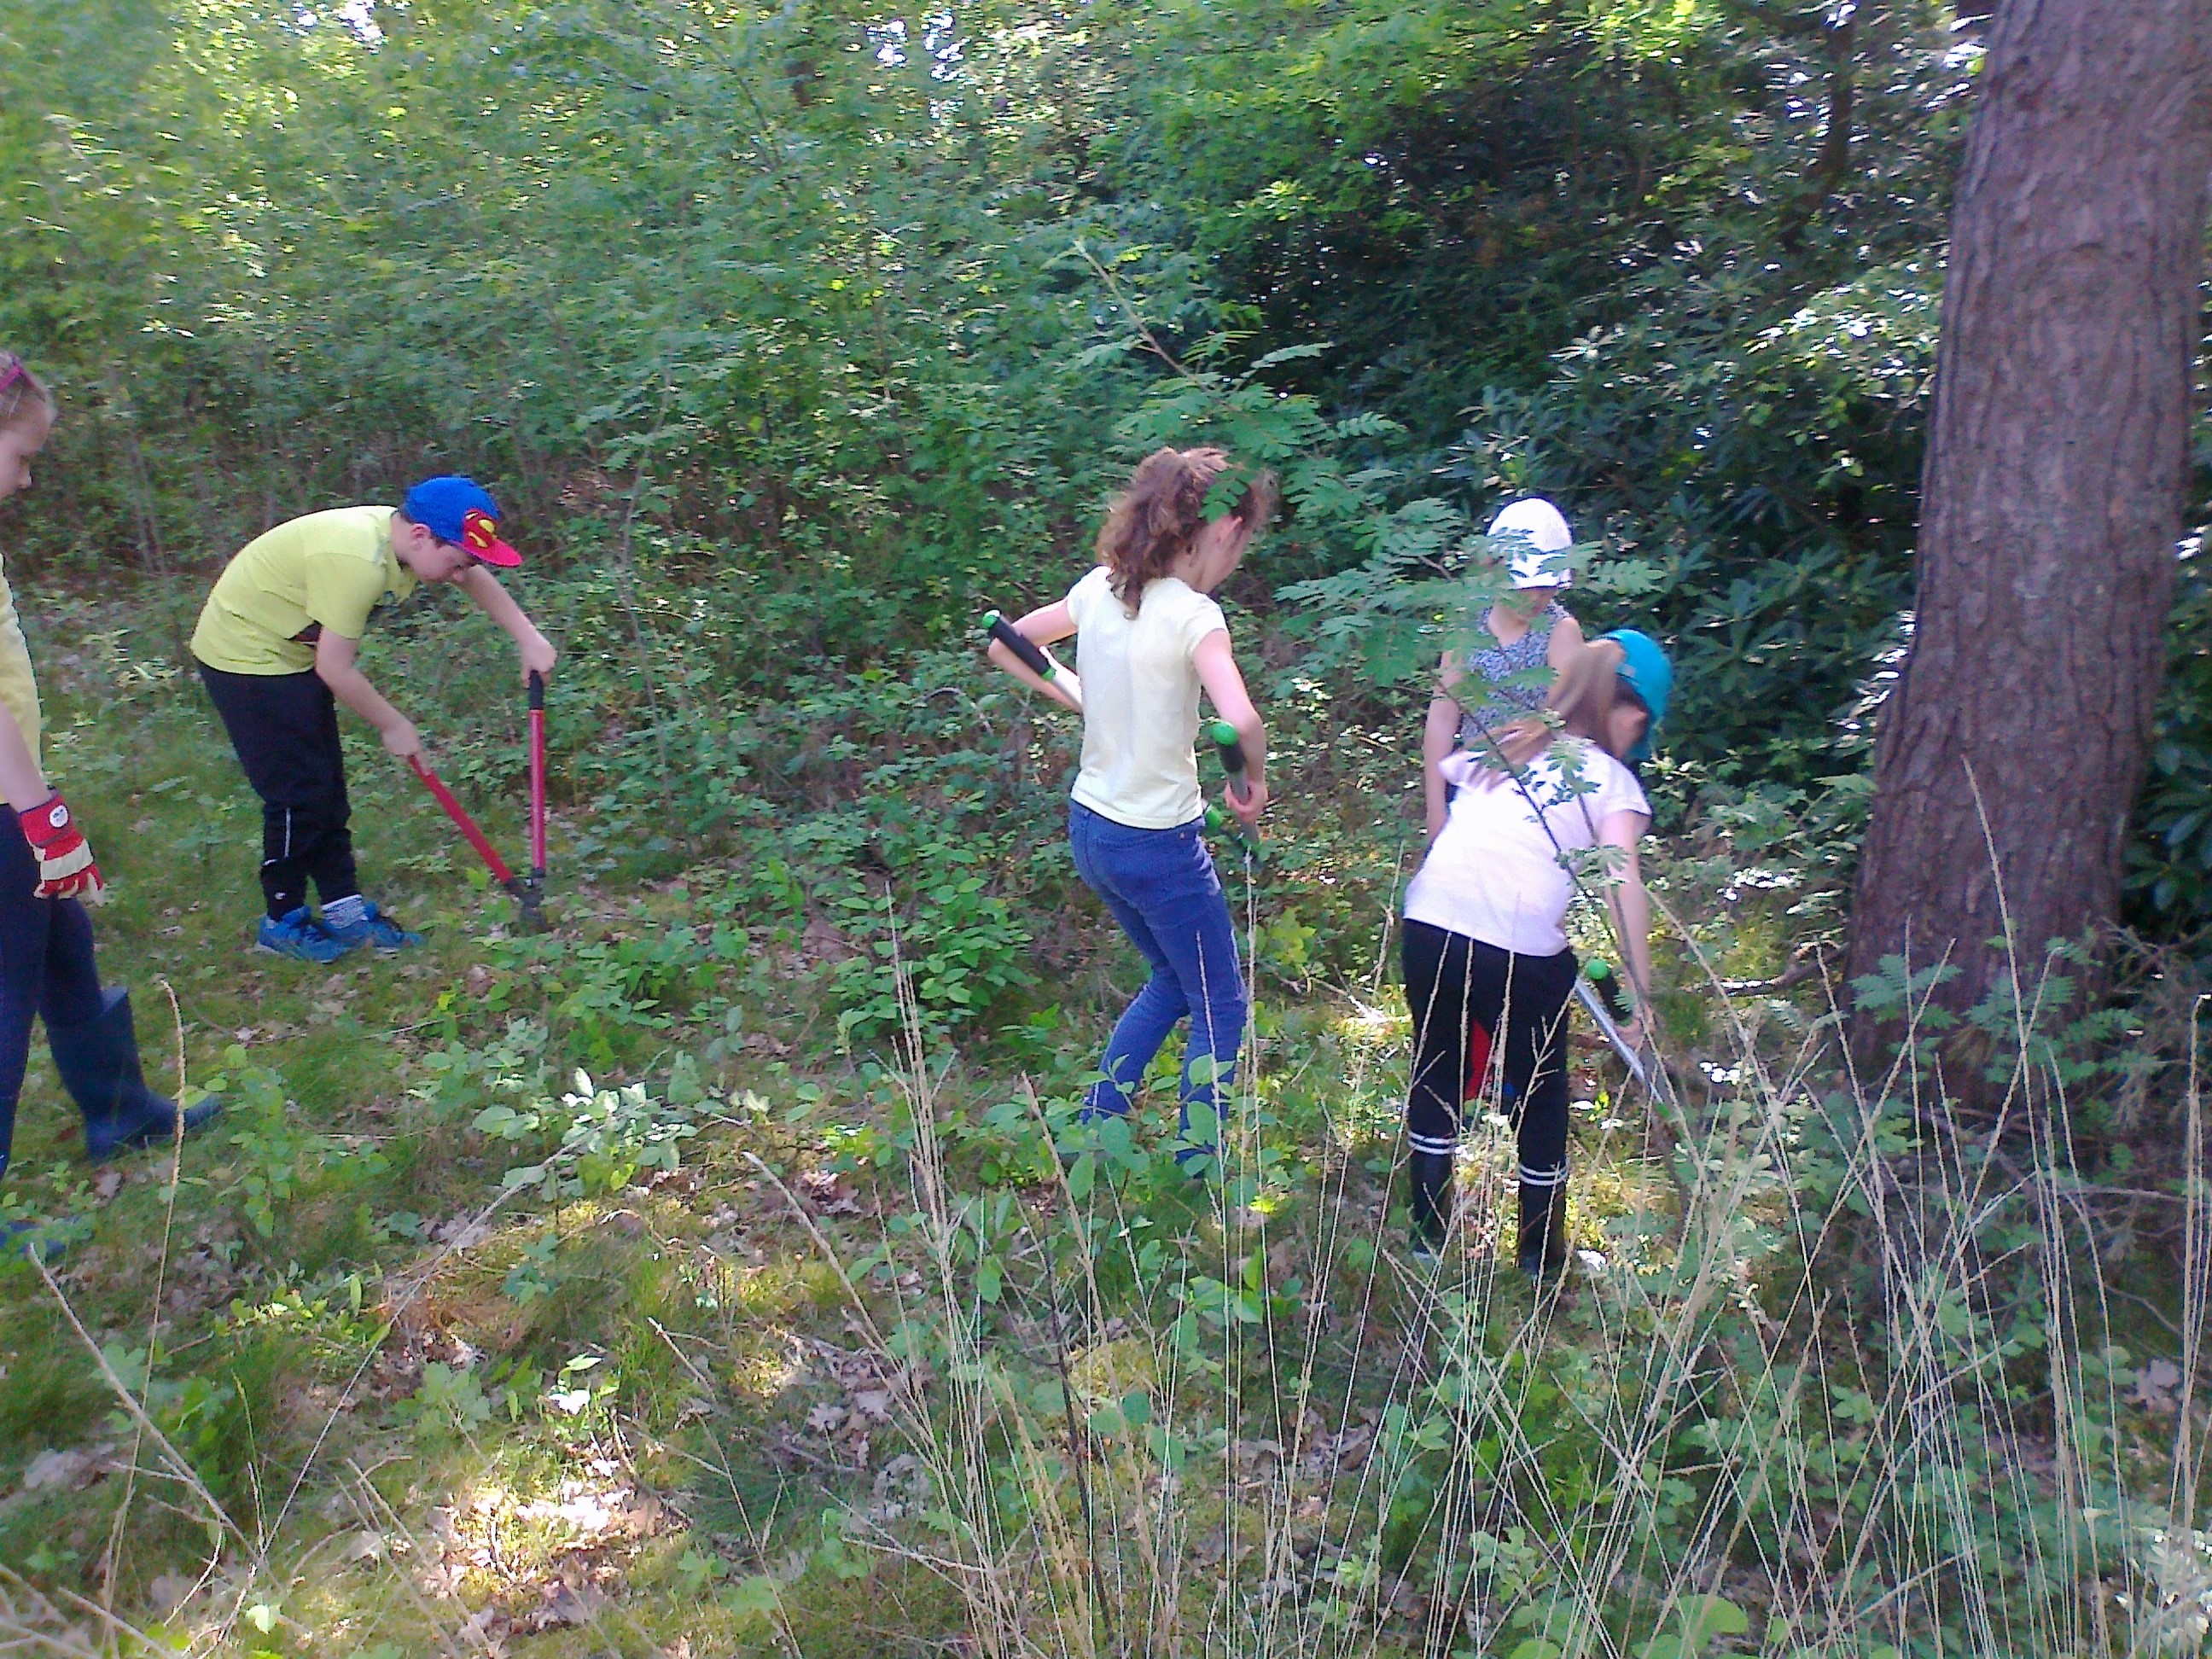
(606, 1137)
(279, 1157)
(449, 1404)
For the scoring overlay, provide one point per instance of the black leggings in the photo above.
(1460, 991)
(285, 729)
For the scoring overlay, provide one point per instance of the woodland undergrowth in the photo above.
(725, 1271)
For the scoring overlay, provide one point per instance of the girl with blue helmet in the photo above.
(1488, 971)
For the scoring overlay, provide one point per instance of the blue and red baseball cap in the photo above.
(461, 511)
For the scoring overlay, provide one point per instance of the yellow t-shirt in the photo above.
(325, 570)
(19, 691)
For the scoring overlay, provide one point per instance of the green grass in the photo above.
(833, 1347)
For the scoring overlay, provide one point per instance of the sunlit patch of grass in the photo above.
(765, 1368)
(783, 1289)
(1374, 1026)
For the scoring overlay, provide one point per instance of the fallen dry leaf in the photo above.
(1255, 1458)
(564, 1604)
(106, 1183)
(169, 1592)
(63, 1470)
(827, 1192)
(874, 1402)
(2155, 1386)
(822, 940)
(463, 1232)
(486, 1630)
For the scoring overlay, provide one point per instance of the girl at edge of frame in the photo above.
(1149, 637)
(1487, 966)
(48, 876)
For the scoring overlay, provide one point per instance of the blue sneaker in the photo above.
(299, 935)
(373, 928)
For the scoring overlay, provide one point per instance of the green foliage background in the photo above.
(868, 307)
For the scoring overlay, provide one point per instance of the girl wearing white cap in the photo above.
(1535, 636)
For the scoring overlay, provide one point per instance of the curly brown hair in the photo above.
(21, 392)
(1158, 519)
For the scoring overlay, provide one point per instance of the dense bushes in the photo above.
(868, 309)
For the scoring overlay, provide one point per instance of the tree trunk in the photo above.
(2012, 747)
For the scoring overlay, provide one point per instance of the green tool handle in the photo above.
(1220, 823)
(1231, 748)
(1599, 972)
(1026, 651)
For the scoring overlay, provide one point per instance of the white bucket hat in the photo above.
(1538, 525)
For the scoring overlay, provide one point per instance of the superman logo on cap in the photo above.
(480, 536)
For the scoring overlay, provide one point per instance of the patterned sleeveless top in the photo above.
(1507, 680)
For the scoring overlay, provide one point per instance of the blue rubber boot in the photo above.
(43, 1240)
(98, 1062)
(373, 928)
(299, 934)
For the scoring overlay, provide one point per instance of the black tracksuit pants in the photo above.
(1461, 993)
(285, 729)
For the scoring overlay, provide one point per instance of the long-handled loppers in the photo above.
(528, 892)
(1231, 748)
(1598, 989)
(1034, 657)
(532, 894)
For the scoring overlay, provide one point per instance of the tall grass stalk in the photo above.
(1824, 1386)
(1865, 1405)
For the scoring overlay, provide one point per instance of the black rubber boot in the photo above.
(1428, 1194)
(1543, 1230)
(99, 1065)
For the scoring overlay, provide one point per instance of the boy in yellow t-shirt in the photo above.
(278, 642)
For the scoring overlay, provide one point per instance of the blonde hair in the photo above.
(20, 391)
(1158, 519)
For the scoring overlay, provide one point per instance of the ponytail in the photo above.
(1158, 519)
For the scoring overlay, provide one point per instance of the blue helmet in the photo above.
(1651, 676)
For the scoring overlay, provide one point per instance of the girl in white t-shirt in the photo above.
(1485, 950)
(1149, 637)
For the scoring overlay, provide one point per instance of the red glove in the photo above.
(65, 866)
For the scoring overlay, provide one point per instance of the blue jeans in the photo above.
(1161, 886)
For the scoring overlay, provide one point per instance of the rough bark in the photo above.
(2012, 747)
